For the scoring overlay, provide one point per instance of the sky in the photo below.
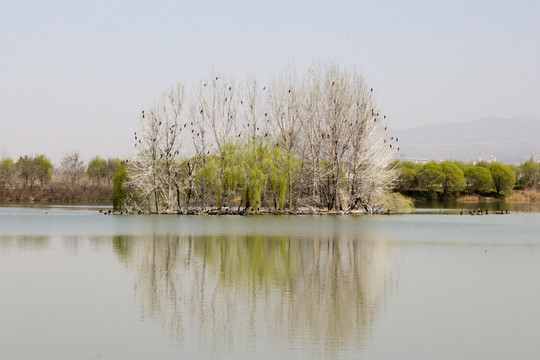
(74, 75)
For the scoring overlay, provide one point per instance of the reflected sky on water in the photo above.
(76, 284)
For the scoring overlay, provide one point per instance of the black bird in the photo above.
(385, 127)
(385, 116)
(264, 88)
(204, 84)
(396, 139)
(390, 146)
(392, 138)
(184, 125)
(371, 89)
(332, 83)
(265, 114)
(374, 119)
(397, 149)
(217, 77)
(201, 111)
(230, 88)
(289, 91)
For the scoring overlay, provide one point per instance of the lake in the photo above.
(76, 284)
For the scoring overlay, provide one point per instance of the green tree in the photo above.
(113, 165)
(454, 180)
(479, 179)
(119, 188)
(408, 177)
(97, 170)
(503, 178)
(529, 174)
(27, 170)
(431, 176)
(44, 168)
(7, 173)
(460, 164)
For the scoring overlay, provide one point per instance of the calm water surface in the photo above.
(78, 285)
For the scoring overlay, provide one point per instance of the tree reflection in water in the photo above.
(24, 242)
(234, 292)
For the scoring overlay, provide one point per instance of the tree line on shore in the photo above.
(34, 177)
(448, 179)
(311, 141)
(445, 180)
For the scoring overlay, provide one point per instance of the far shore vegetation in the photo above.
(34, 179)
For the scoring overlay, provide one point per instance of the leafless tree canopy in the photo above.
(313, 141)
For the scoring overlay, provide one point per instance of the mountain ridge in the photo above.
(508, 140)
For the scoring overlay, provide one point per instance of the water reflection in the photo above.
(24, 243)
(317, 295)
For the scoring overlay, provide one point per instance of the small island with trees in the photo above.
(315, 142)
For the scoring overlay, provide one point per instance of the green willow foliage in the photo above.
(119, 189)
(246, 176)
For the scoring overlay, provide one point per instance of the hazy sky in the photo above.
(74, 75)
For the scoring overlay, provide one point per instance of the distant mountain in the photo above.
(508, 140)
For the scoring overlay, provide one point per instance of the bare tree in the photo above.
(72, 168)
(153, 170)
(285, 107)
(369, 173)
(312, 134)
(218, 108)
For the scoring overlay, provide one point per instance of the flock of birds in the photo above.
(390, 141)
(486, 212)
